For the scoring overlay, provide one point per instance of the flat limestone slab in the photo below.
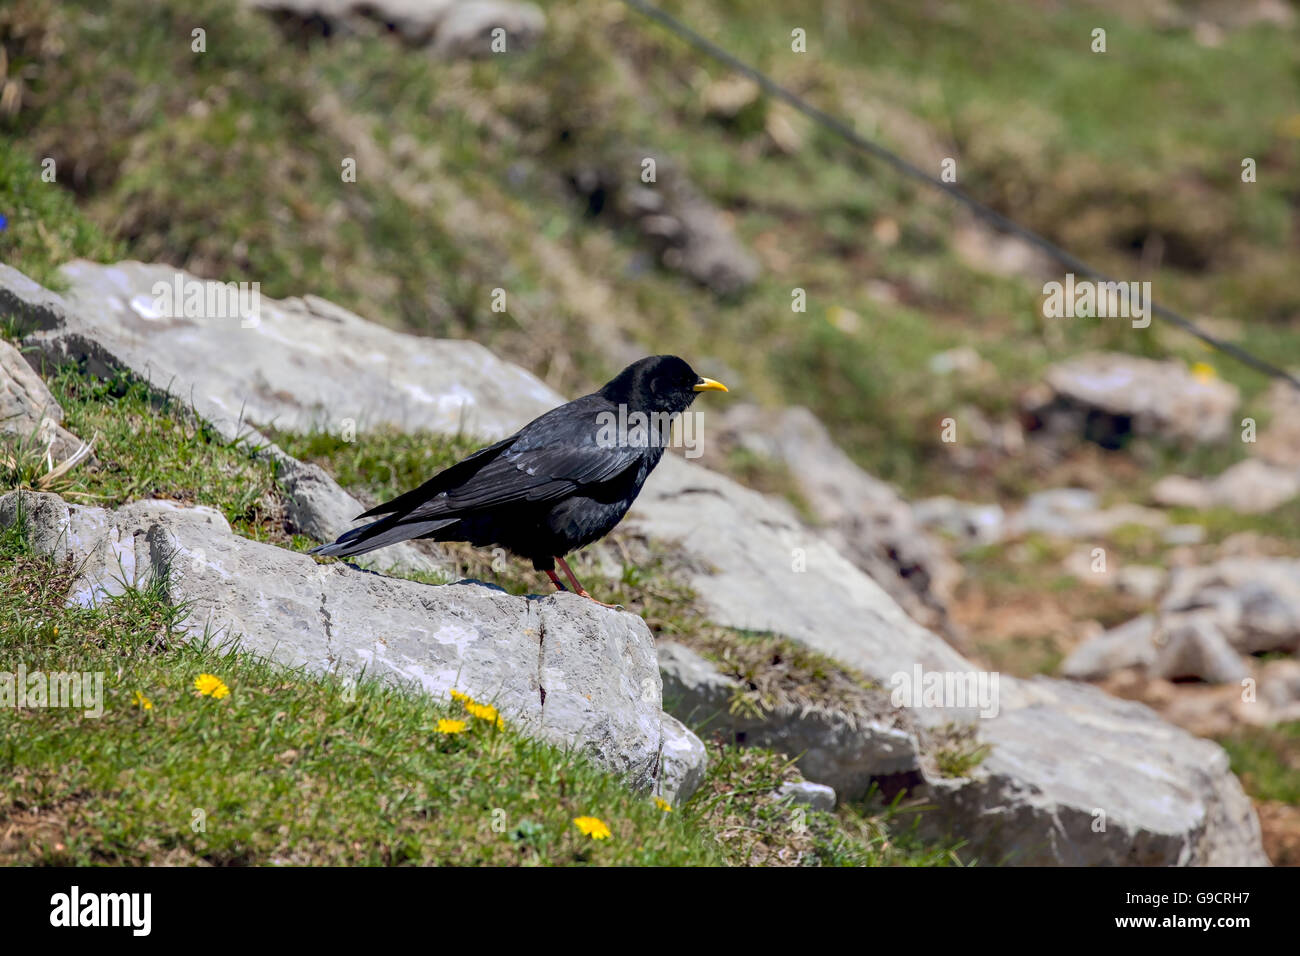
(568, 670)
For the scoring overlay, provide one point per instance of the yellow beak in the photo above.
(709, 385)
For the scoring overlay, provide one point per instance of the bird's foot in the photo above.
(577, 586)
(612, 607)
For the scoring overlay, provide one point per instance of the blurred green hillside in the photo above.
(228, 163)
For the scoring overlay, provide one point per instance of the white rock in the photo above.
(1076, 513)
(814, 796)
(1131, 644)
(1149, 397)
(1142, 581)
(29, 415)
(973, 525)
(1179, 491)
(1183, 534)
(684, 761)
(1257, 600)
(1248, 487)
(467, 28)
(1192, 644)
(862, 517)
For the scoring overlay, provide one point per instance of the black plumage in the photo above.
(561, 482)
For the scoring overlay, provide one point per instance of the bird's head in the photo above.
(661, 383)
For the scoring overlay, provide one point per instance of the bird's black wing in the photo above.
(460, 472)
(550, 459)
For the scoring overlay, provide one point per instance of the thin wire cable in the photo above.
(875, 150)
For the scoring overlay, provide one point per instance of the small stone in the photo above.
(1183, 534)
(1129, 645)
(1178, 491)
(814, 796)
(1142, 581)
(1195, 646)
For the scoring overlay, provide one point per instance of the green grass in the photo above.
(1268, 761)
(957, 751)
(379, 463)
(148, 445)
(44, 228)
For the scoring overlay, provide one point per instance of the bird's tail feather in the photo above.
(379, 534)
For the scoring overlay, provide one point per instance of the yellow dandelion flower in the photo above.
(593, 827)
(210, 685)
(141, 701)
(663, 805)
(486, 712)
(1203, 371)
(451, 726)
(461, 696)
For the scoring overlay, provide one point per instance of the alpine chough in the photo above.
(561, 482)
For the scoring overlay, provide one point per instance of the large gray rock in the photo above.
(29, 415)
(1108, 395)
(862, 517)
(848, 751)
(1256, 601)
(754, 566)
(298, 364)
(1131, 644)
(742, 554)
(1078, 778)
(221, 369)
(564, 668)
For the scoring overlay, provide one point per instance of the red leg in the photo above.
(555, 581)
(578, 588)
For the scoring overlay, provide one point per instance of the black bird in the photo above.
(561, 482)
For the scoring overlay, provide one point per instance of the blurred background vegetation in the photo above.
(228, 163)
